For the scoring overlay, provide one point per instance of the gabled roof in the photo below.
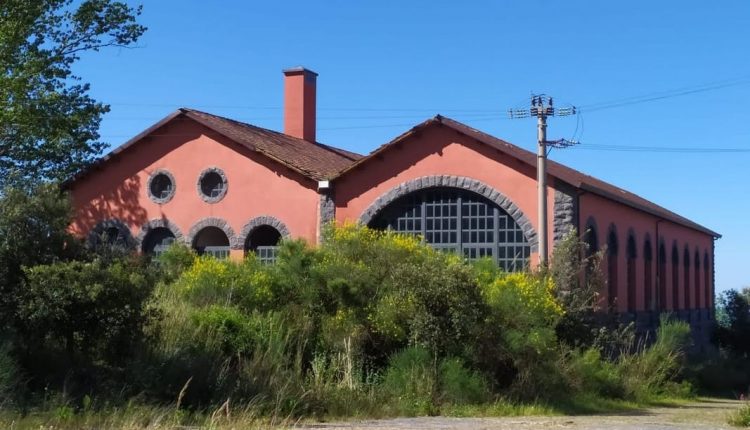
(561, 172)
(313, 160)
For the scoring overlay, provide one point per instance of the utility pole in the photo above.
(541, 108)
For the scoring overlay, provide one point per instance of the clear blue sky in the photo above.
(387, 65)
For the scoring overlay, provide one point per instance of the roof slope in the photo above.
(564, 173)
(313, 160)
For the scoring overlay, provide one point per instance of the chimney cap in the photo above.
(298, 70)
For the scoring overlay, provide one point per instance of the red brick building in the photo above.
(226, 188)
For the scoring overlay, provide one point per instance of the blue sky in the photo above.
(387, 65)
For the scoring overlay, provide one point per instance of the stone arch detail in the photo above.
(159, 223)
(214, 222)
(102, 226)
(256, 222)
(459, 182)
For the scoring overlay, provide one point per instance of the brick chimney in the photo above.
(299, 103)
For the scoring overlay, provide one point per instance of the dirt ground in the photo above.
(704, 414)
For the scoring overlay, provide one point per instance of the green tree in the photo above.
(33, 223)
(48, 122)
(733, 321)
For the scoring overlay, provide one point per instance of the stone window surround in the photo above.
(225, 182)
(160, 200)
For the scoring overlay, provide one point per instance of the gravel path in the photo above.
(706, 414)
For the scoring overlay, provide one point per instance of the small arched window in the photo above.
(707, 281)
(612, 267)
(675, 277)
(631, 273)
(662, 276)
(687, 291)
(648, 298)
(697, 269)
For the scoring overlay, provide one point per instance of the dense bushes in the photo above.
(369, 323)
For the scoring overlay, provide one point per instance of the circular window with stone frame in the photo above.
(161, 186)
(212, 185)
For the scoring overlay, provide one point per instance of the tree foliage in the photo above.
(733, 321)
(48, 121)
(33, 231)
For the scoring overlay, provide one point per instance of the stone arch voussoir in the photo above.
(159, 223)
(259, 221)
(214, 222)
(460, 182)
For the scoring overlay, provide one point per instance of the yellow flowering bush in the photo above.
(526, 308)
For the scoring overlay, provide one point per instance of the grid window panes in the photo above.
(267, 254)
(459, 221)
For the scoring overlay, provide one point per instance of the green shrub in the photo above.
(410, 382)
(85, 307)
(175, 260)
(588, 372)
(741, 417)
(461, 386)
(652, 371)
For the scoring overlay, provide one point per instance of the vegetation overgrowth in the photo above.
(368, 324)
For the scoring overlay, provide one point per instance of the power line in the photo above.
(662, 95)
(672, 149)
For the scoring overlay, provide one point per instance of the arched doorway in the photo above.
(459, 221)
(264, 242)
(157, 240)
(212, 241)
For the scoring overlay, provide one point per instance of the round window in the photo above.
(212, 185)
(161, 186)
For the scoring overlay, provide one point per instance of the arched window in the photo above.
(212, 241)
(455, 220)
(648, 298)
(631, 273)
(707, 281)
(675, 277)
(662, 277)
(111, 233)
(592, 246)
(264, 242)
(612, 267)
(688, 293)
(697, 287)
(157, 240)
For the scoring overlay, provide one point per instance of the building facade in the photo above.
(228, 188)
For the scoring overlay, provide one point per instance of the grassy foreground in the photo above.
(135, 416)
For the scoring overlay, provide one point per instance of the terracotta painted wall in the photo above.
(256, 185)
(605, 212)
(440, 151)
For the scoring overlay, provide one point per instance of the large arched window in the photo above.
(631, 273)
(459, 221)
(648, 298)
(612, 267)
(688, 293)
(675, 277)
